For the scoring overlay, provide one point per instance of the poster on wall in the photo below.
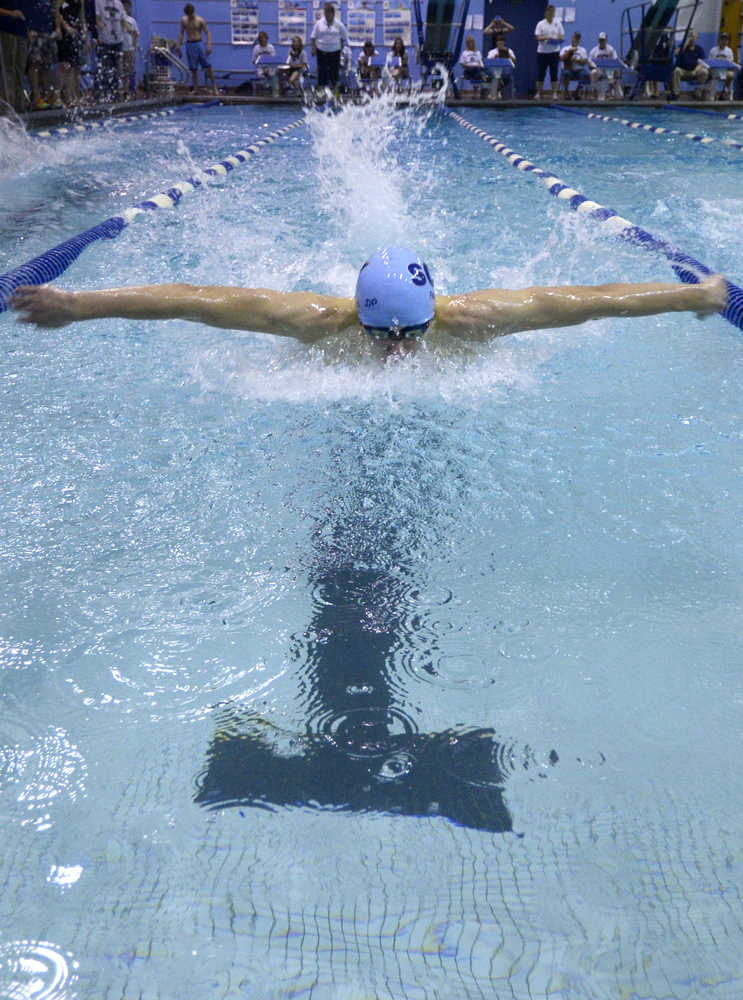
(292, 21)
(361, 21)
(244, 21)
(396, 21)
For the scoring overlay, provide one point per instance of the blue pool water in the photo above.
(505, 580)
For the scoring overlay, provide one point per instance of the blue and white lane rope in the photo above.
(720, 116)
(52, 263)
(686, 268)
(107, 123)
(703, 140)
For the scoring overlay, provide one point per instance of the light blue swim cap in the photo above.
(394, 294)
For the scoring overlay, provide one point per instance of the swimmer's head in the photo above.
(394, 294)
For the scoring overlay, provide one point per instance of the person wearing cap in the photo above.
(574, 59)
(395, 303)
(689, 65)
(601, 54)
(498, 26)
(723, 51)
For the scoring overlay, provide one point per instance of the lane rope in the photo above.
(702, 111)
(686, 268)
(52, 263)
(106, 123)
(703, 140)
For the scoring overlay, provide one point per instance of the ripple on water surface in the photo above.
(36, 970)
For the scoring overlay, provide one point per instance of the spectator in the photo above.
(723, 51)
(14, 49)
(42, 55)
(368, 74)
(72, 48)
(129, 53)
(689, 66)
(574, 59)
(549, 33)
(292, 73)
(397, 63)
(603, 53)
(498, 27)
(109, 15)
(195, 29)
(262, 48)
(502, 51)
(328, 38)
(471, 62)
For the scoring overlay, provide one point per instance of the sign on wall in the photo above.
(361, 21)
(244, 21)
(396, 21)
(292, 21)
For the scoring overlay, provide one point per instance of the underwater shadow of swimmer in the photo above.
(361, 752)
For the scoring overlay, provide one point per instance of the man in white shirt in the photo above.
(327, 40)
(574, 59)
(110, 19)
(603, 53)
(723, 51)
(549, 33)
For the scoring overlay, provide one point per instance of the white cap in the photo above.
(602, 34)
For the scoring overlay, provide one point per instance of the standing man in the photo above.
(549, 32)
(197, 54)
(689, 65)
(129, 54)
(42, 54)
(13, 48)
(110, 19)
(327, 39)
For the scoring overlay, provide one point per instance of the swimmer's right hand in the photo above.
(715, 290)
(44, 305)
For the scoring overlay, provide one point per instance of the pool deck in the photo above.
(51, 117)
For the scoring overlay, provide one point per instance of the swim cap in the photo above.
(394, 294)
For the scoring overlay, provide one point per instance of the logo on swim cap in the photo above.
(394, 294)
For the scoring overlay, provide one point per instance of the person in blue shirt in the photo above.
(689, 65)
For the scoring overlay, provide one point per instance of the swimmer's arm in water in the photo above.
(494, 312)
(306, 316)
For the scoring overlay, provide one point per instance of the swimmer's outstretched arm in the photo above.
(493, 312)
(306, 316)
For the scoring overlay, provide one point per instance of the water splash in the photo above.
(18, 150)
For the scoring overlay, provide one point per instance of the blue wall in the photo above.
(162, 17)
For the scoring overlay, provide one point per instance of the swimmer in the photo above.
(394, 303)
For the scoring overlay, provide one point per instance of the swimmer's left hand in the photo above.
(715, 292)
(44, 306)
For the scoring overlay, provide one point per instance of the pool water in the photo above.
(329, 678)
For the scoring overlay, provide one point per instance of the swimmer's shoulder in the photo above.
(475, 315)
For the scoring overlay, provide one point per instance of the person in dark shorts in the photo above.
(549, 33)
(72, 47)
(327, 39)
(195, 28)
